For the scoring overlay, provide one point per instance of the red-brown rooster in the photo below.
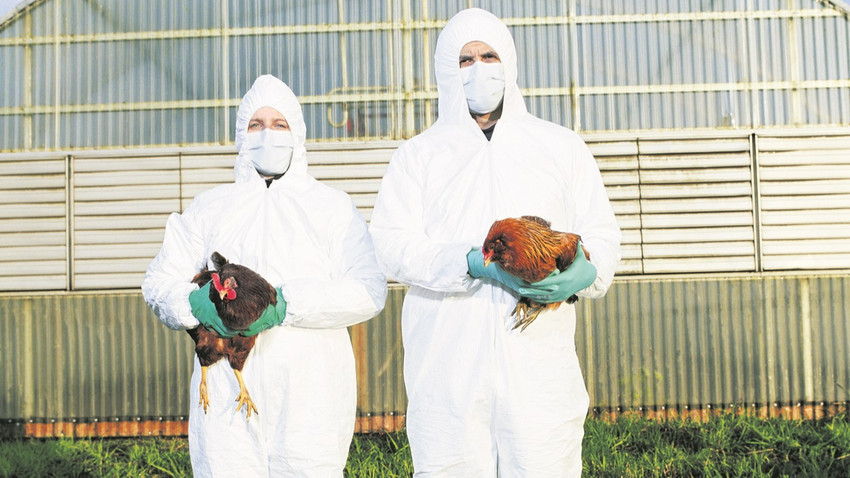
(528, 248)
(240, 296)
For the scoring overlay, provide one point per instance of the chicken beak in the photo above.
(222, 293)
(487, 261)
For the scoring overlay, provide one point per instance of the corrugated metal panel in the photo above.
(658, 344)
(105, 356)
(116, 73)
(379, 356)
(723, 341)
(90, 356)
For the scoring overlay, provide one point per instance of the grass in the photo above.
(724, 446)
(116, 458)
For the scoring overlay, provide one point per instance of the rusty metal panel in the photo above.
(90, 357)
(102, 364)
(717, 342)
(99, 358)
(381, 397)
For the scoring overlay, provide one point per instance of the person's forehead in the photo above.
(476, 46)
(267, 112)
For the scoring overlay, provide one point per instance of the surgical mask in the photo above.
(484, 84)
(270, 151)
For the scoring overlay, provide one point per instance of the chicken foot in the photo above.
(244, 398)
(205, 399)
(525, 314)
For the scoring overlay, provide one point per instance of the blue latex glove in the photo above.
(559, 286)
(204, 310)
(477, 269)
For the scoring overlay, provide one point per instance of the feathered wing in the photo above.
(537, 251)
(253, 295)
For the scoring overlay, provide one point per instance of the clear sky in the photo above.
(6, 5)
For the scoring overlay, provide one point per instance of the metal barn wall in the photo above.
(730, 202)
(102, 364)
(752, 341)
(84, 74)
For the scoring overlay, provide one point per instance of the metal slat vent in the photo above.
(33, 228)
(696, 206)
(618, 164)
(201, 172)
(120, 208)
(727, 203)
(358, 173)
(805, 198)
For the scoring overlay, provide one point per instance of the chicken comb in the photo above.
(231, 294)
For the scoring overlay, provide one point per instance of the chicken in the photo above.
(240, 296)
(529, 249)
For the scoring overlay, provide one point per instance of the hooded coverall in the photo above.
(486, 400)
(309, 240)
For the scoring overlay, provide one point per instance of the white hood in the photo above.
(469, 25)
(309, 240)
(463, 362)
(270, 91)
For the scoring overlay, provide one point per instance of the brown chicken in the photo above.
(529, 249)
(240, 296)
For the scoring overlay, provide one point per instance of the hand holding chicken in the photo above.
(234, 304)
(547, 261)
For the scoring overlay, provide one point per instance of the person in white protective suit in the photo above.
(306, 239)
(485, 399)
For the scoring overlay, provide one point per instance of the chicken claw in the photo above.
(205, 399)
(244, 398)
(525, 314)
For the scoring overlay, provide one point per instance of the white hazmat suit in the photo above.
(309, 240)
(486, 400)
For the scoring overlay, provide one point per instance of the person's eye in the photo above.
(281, 125)
(254, 126)
(465, 62)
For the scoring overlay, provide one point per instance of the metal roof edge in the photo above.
(19, 8)
(838, 5)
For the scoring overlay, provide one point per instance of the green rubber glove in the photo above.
(204, 310)
(477, 269)
(273, 315)
(559, 286)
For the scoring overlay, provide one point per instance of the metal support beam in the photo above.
(755, 181)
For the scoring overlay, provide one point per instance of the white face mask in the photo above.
(270, 151)
(484, 84)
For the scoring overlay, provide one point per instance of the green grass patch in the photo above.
(724, 446)
(143, 457)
